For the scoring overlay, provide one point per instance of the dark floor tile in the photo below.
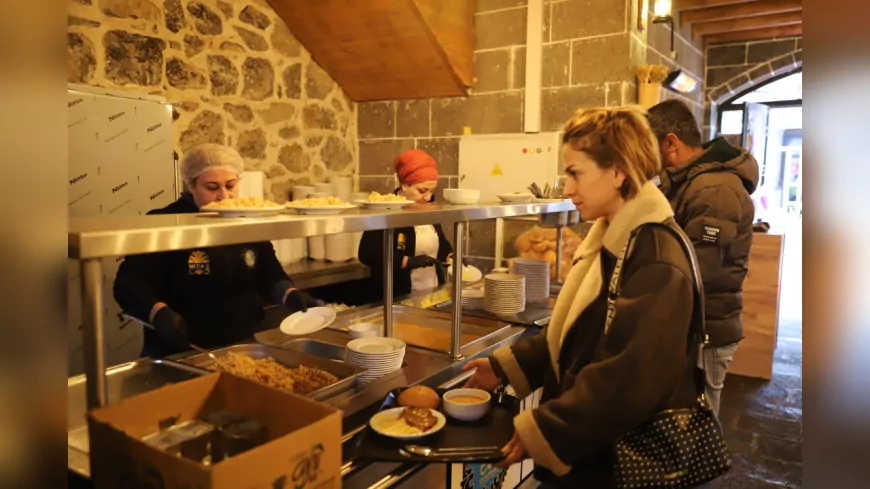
(739, 481)
(739, 441)
(767, 425)
(779, 448)
(766, 470)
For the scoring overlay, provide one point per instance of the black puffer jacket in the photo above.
(710, 196)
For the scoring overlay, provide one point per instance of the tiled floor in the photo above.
(762, 420)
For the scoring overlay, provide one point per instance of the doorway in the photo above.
(767, 121)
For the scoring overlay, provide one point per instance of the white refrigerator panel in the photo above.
(506, 163)
(120, 164)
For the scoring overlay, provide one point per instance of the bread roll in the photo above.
(540, 246)
(419, 396)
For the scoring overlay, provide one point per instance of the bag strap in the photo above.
(698, 334)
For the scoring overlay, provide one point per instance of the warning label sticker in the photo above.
(496, 171)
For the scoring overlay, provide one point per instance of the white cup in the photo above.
(302, 191)
(364, 330)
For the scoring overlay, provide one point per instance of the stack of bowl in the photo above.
(537, 273)
(378, 356)
(473, 298)
(504, 293)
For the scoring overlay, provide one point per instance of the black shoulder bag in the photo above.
(676, 448)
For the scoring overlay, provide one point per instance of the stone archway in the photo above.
(753, 77)
(734, 69)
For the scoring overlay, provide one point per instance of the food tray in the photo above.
(495, 429)
(346, 374)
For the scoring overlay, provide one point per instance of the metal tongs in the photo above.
(554, 192)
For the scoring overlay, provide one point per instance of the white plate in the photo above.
(474, 274)
(376, 346)
(324, 210)
(315, 319)
(378, 420)
(246, 211)
(519, 198)
(383, 205)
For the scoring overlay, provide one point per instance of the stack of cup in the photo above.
(301, 191)
(343, 187)
(317, 248)
(324, 188)
(338, 247)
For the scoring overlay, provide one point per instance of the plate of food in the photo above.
(244, 207)
(383, 201)
(407, 423)
(319, 206)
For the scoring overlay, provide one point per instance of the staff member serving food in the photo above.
(208, 296)
(416, 249)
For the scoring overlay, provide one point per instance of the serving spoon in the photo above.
(424, 451)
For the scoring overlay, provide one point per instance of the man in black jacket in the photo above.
(709, 187)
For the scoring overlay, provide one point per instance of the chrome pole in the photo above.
(456, 329)
(388, 282)
(93, 333)
(559, 235)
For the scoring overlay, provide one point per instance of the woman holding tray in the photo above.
(602, 377)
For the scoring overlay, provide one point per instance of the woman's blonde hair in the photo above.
(616, 137)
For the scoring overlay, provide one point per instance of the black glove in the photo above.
(420, 261)
(299, 301)
(171, 329)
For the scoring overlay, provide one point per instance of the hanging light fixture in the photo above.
(662, 12)
(681, 81)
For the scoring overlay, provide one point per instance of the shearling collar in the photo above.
(650, 205)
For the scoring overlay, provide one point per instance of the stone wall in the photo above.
(591, 49)
(234, 74)
(736, 68)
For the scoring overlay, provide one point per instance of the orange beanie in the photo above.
(415, 166)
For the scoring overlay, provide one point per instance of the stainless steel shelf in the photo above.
(104, 237)
(308, 274)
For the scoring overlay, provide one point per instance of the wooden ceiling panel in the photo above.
(754, 34)
(745, 9)
(745, 23)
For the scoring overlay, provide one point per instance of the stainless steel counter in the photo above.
(104, 237)
(307, 274)
(357, 403)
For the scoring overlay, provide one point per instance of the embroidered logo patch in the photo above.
(401, 241)
(198, 263)
(250, 257)
(710, 234)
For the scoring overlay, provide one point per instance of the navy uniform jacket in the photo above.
(220, 292)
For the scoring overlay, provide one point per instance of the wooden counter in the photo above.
(754, 357)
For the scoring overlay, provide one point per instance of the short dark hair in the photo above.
(674, 117)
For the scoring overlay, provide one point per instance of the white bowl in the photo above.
(466, 412)
(364, 330)
(461, 195)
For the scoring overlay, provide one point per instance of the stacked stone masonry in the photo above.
(234, 74)
(733, 69)
(590, 51)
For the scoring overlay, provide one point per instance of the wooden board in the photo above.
(754, 357)
(433, 339)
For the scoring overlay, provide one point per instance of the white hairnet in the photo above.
(207, 157)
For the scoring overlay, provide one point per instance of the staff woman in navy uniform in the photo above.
(208, 296)
(415, 249)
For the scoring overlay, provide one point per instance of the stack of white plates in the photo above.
(473, 298)
(379, 356)
(537, 273)
(317, 247)
(504, 293)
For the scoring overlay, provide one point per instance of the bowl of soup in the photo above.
(466, 404)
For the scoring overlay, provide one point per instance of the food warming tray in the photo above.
(346, 374)
(495, 429)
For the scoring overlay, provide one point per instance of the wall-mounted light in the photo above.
(662, 12)
(681, 82)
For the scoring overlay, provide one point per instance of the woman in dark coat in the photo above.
(209, 296)
(415, 249)
(602, 378)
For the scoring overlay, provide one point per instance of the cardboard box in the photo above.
(304, 451)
